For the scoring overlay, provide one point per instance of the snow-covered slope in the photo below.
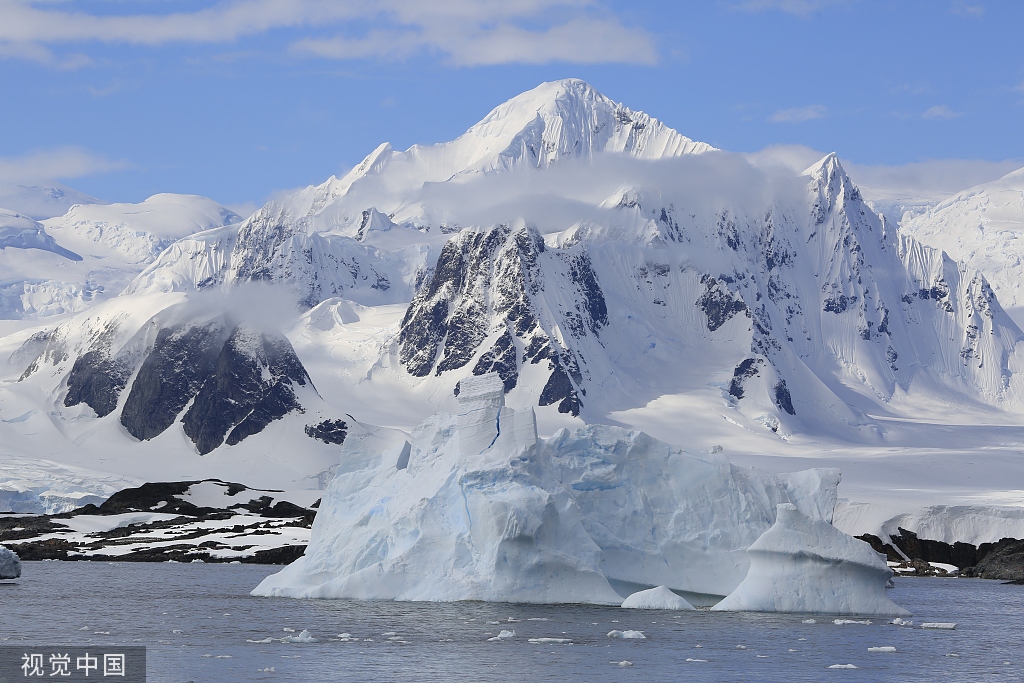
(95, 251)
(41, 201)
(984, 228)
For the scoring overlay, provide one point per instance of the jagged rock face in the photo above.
(486, 300)
(180, 362)
(252, 384)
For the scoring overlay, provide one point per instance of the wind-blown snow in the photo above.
(484, 510)
(806, 565)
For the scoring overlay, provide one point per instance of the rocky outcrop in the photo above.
(252, 384)
(1003, 559)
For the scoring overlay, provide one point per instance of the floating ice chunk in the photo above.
(845, 622)
(504, 635)
(537, 619)
(761, 656)
(792, 650)
(691, 659)
(952, 654)
(223, 657)
(656, 598)
(261, 642)
(288, 630)
(901, 622)
(388, 634)
(547, 641)
(627, 635)
(807, 565)
(844, 666)
(624, 662)
(268, 670)
(741, 647)
(809, 621)
(939, 625)
(884, 648)
(10, 564)
(303, 637)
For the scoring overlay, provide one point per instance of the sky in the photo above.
(241, 99)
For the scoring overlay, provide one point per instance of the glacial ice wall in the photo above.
(476, 507)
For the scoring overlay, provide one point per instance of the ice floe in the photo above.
(303, 637)
(844, 666)
(627, 635)
(660, 597)
(550, 641)
(939, 625)
(504, 635)
(883, 648)
(802, 564)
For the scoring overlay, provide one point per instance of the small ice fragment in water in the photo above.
(884, 648)
(698, 646)
(843, 666)
(624, 662)
(809, 621)
(494, 623)
(513, 621)
(801, 639)
(792, 650)
(265, 640)
(548, 641)
(952, 654)
(761, 656)
(502, 636)
(268, 670)
(303, 637)
(843, 622)
(288, 630)
(741, 647)
(690, 659)
(176, 631)
(940, 625)
(389, 633)
(86, 628)
(223, 657)
(901, 622)
(537, 619)
(627, 635)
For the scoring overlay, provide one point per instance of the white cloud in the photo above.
(53, 164)
(466, 32)
(941, 111)
(965, 9)
(801, 8)
(794, 157)
(799, 114)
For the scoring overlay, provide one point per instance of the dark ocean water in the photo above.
(196, 619)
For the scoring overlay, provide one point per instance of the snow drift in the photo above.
(10, 564)
(476, 507)
(806, 565)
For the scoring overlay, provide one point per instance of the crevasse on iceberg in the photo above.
(806, 565)
(476, 507)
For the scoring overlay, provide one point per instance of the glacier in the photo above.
(806, 565)
(477, 507)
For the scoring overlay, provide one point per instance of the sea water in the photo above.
(198, 621)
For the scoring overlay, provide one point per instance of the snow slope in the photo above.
(984, 228)
(41, 201)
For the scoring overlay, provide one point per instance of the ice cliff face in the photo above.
(476, 507)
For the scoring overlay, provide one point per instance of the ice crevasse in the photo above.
(475, 506)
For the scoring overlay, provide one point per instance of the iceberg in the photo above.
(807, 565)
(475, 506)
(10, 564)
(656, 598)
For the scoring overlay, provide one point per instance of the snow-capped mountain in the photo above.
(92, 252)
(41, 201)
(607, 268)
(984, 228)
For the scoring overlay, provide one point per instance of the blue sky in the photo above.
(236, 100)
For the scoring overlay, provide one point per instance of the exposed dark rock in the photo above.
(238, 400)
(1001, 560)
(782, 398)
(328, 431)
(181, 360)
(97, 380)
(745, 370)
(1004, 562)
(502, 359)
(559, 389)
(718, 303)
